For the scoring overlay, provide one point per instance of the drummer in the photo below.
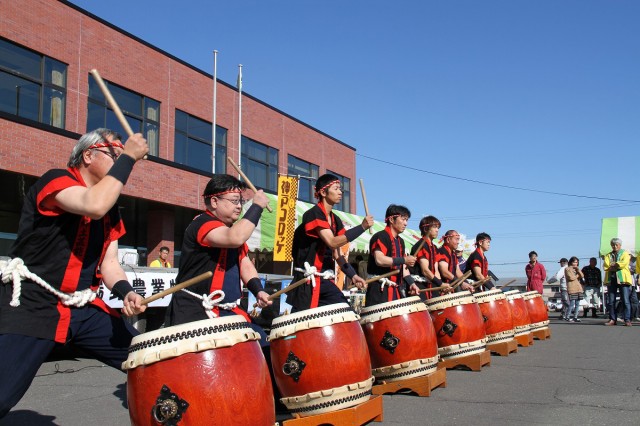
(477, 262)
(426, 266)
(448, 261)
(315, 250)
(387, 253)
(216, 241)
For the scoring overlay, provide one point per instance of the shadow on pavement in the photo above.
(27, 417)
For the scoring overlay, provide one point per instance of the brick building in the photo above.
(48, 99)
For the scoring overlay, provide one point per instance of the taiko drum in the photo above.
(537, 310)
(401, 339)
(519, 313)
(203, 372)
(496, 313)
(458, 324)
(320, 360)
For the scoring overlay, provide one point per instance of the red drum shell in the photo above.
(467, 318)
(216, 383)
(334, 356)
(497, 312)
(519, 312)
(535, 306)
(417, 337)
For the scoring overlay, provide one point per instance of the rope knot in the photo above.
(387, 282)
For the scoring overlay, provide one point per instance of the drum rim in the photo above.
(310, 314)
(448, 297)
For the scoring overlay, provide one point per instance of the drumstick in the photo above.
(364, 201)
(246, 179)
(425, 290)
(420, 244)
(480, 282)
(178, 287)
(460, 280)
(279, 292)
(112, 103)
(504, 285)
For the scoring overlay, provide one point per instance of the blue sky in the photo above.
(542, 95)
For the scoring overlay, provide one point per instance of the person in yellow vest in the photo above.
(161, 261)
(617, 276)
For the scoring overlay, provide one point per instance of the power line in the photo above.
(495, 184)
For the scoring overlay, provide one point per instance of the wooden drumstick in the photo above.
(480, 282)
(364, 201)
(460, 280)
(112, 103)
(426, 290)
(178, 287)
(246, 179)
(504, 285)
(379, 277)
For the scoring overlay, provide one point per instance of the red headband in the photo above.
(107, 144)
(231, 191)
(317, 193)
(388, 219)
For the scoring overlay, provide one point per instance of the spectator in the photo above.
(617, 276)
(562, 280)
(536, 274)
(593, 283)
(161, 261)
(573, 274)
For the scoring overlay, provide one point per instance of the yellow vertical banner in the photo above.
(285, 218)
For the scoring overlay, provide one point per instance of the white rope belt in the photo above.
(211, 301)
(419, 279)
(387, 282)
(310, 271)
(15, 271)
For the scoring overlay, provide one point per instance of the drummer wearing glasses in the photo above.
(216, 241)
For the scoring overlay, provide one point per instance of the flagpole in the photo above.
(240, 116)
(215, 101)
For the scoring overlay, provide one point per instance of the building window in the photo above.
(142, 113)
(308, 175)
(32, 85)
(345, 204)
(260, 163)
(193, 143)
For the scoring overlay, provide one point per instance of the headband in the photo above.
(317, 193)
(231, 191)
(107, 144)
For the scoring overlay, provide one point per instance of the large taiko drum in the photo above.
(537, 311)
(519, 313)
(401, 338)
(498, 323)
(203, 372)
(320, 360)
(458, 324)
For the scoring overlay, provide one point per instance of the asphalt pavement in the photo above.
(586, 374)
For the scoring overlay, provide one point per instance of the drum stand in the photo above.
(358, 415)
(473, 362)
(503, 348)
(422, 386)
(543, 334)
(524, 340)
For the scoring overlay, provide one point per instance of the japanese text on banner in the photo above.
(285, 218)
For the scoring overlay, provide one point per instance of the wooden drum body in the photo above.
(320, 360)
(401, 338)
(537, 311)
(458, 324)
(205, 372)
(519, 313)
(496, 313)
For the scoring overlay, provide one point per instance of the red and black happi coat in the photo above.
(309, 247)
(63, 249)
(477, 258)
(445, 254)
(384, 242)
(430, 252)
(198, 257)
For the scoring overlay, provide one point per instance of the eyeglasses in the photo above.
(234, 201)
(114, 157)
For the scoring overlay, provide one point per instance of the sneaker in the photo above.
(627, 323)
(572, 320)
(610, 322)
(577, 320)
(565, 318)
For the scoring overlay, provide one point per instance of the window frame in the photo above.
(271, 171)
(309, 177)
(221, 164)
